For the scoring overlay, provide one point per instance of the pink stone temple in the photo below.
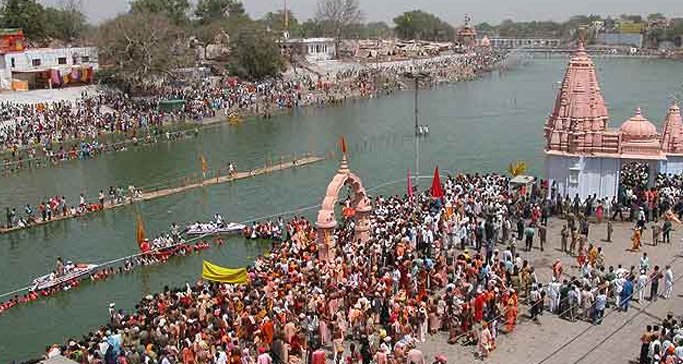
(584, 156)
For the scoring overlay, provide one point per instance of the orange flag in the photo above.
(671, 216)
(205, 166)
(343, 144)
(140, 233)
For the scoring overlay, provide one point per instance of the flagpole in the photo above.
(417, 137)
(417, 76)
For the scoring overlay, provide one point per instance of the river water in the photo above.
(477, 126)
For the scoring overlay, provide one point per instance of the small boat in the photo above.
(213, 229)
(51, 280)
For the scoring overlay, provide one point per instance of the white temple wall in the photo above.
(672, 165)
(584, 176)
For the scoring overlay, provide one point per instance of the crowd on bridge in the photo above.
(57, 207)
(45, 133)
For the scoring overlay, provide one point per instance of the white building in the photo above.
(314, 49)
(33, 65)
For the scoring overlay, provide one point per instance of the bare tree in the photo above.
(337, 16)
(73, 22)
(142, 48)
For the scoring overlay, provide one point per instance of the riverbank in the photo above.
(350, 82)
(186, 184)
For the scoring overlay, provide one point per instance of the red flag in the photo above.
(436, 189)
(410, 186)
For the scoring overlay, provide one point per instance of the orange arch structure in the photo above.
(360, 209)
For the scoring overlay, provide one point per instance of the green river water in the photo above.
(477, 126)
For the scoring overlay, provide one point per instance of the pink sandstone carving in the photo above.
(327, 221)
(578, 123)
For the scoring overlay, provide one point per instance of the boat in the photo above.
(215, 229)
(50, 280)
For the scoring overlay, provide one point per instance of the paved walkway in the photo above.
(552, 340)
(186, 186)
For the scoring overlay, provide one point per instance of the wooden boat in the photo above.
(212, 229)
(48, 281)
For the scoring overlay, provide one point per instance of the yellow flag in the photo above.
(215, 273)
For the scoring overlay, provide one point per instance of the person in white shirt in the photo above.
(668, 282)
(221, 357)
(642, 282)
(554, 294)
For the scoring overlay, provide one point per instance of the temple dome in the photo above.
(638, 129)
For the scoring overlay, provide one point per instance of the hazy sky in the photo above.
(452, 11)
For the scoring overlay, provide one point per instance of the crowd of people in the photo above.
(662, 343)
(153, 252)
(57, 207)
(431, 265)
(374, 299)
(44, 133)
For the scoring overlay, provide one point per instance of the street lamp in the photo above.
(417, 76)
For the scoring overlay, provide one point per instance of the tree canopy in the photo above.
(208, 11)
(337, 16)
(275, 21)
(29, 15)
(176, 10)
(67, 23)
(254, 53)
(142, 47)
(418, 24)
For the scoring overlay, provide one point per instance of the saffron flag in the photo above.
(215, 273)
(436, 189)
(205, 167)
(342, 142)
(410, 186)
(140, 235)
(672, 217)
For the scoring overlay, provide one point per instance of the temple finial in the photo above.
(344, 167)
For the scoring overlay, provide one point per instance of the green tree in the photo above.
(142, 49)
(276, 22)
(655, 16)
(484, 28)
(255, 54)
(208, 11)
(176, 10)
(311, 28)
(28, 15)
(67, 23)
(418, 24)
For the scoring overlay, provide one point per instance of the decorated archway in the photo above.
(361, 206)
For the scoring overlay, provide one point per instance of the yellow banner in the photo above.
(215, 273)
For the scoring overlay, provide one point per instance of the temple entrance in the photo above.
(635, 178)
(635, 175)
(359, 209)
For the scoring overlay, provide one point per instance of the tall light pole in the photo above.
(417, 76)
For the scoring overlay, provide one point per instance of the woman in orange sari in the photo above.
(510, 315)
(635, 240)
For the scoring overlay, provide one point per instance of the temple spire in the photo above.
(581, 45)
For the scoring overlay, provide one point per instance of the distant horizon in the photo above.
(452, 12)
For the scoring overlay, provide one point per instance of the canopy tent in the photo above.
(171, 105)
